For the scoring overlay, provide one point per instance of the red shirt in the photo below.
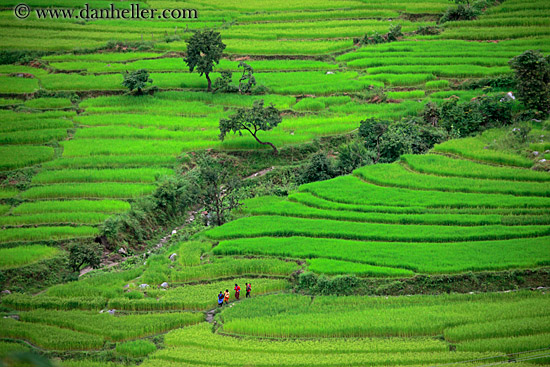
(237, 289)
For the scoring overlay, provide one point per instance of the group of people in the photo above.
(224, 296)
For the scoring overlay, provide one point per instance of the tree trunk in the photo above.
(275, 151)
(209, 82)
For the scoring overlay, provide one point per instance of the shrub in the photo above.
(351, 156)
(461, 12)
(318, 168)
(136, 80)
(532, 72)
(428, 30)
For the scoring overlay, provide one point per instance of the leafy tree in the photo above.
(223, 83)
(219, 187)
(351, 156)
(318, 168)
(247, 80)
(401, 137)
(255, 119)
(136, 80)
(204, 49)
(532, 71)
(84, 253)
(371, 130)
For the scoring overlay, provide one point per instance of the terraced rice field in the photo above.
(75, 150)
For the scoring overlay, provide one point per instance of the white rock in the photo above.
(143, 286)
(173, 256)
(330, 72)
(112, 312)
(164, 285)
(535, 153)
(174, 232)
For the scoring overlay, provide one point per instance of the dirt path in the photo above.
(260, 173)
(210, 315)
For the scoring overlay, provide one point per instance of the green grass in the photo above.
(352, 190)
(395, 175)
(477, 148)
(107, 161)
(25, 255)
(194, 297)
(333, 267)
(136, 348)
(48, 336)
(72, 206)
(143, 175)
(33, 124)
(161, 269)
(17, 85)
(444, 166)
(293, 316)
(49, 103)
(12, 157)
(280, 226)
(54, 218)
(88, 190)
(113, 328)
(453, 257)
(33, 136)
(437, 84)
(271, 205)
(45, 233)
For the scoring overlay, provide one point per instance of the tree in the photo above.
(136, 79)
(223, 83)
(257, 118)
(532, 71)
(371, 130)
(219, 187)
(319, 168)
(204, 49)
(351, 156)
(247, 80)
(84, 253)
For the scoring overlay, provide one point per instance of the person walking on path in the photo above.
(226, 296)
(248, 289)
(220, 299)
(237, 291)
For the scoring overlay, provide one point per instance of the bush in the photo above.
(402, 137)
(373, 38)
(505, 82)
(351, 156)
(223, 83)
(81, 254)
(394, 33)
(20, 56)
(532, 72)
(136, 80)
(428, 30)
(461, 12)
(319, 168)
(342, 285)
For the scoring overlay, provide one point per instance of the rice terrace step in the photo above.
(274, 183)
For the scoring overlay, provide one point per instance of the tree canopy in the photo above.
(257, 118)
(204, 49)
(136, 80)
